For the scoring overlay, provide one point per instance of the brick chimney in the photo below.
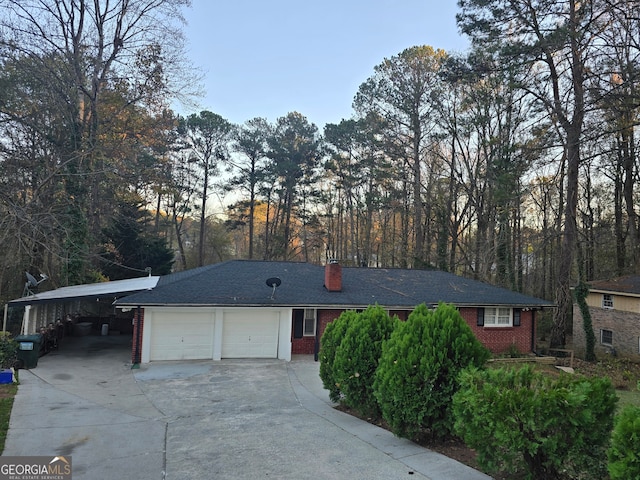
(333, 276)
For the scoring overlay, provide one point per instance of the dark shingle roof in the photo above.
(629, 284)
(242, 283)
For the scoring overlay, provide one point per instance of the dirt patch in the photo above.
(624, 374)
(8, 391)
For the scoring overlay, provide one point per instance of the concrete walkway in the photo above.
(233, 419)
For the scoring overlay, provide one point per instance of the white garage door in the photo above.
(186, 336)
(250, 335)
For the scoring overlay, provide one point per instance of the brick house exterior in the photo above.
(497, 339)
(519, 335)
(275, 309)
(502, 339)
(614, 306)
(306, 299)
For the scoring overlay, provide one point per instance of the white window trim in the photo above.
(602, 330)
(607, 301)
(312, 317)
(491, 320)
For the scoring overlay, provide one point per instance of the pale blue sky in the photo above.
(268, 58)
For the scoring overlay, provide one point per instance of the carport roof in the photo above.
(243, 283)
(112, 289)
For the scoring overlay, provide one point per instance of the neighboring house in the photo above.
(261, 309)
(615, 314)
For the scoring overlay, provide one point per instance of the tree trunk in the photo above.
(573, 131)
(418, 252)
(252, 214)
(203, 219)
(564, 300)
(178, 228)
(629, 167)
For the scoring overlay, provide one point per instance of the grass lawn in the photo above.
(7, 394)
(624, 375)
(628, 397)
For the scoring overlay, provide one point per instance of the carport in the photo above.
(78, 310)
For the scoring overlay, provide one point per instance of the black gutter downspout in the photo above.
(316, 346)
(138, 340)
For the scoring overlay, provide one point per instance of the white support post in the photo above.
(25, 320)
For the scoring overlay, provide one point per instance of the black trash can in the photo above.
(28, 350)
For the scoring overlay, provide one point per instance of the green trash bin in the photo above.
(28, 350)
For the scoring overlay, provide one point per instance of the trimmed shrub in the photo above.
(8, 350)
(331, 339)
(522, 420)
(624, 454)
(417, 375)
(357, 357)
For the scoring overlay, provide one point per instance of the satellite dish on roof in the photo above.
(31, 280)
(273, 282)
(32, 283)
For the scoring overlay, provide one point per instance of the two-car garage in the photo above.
(174, 333)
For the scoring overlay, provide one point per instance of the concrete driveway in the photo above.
(233, 419)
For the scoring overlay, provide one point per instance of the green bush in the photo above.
(331, 339)
(8, 350)
(357, 357)
(420, 362)
(624, 454)
(522, 420)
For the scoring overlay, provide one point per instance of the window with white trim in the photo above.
(606, 337)
(497, 317)
(309, 325)
(607, 300)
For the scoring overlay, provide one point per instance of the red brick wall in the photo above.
(325, 317)
(497, 339)
(306, 345)
(401, 314)
(138, 328)
(500, 339)
(302, 346)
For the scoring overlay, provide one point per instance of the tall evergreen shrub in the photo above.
(624, 454)
(526, 421)
(418, 370)
(357, 358)
(331, 339)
